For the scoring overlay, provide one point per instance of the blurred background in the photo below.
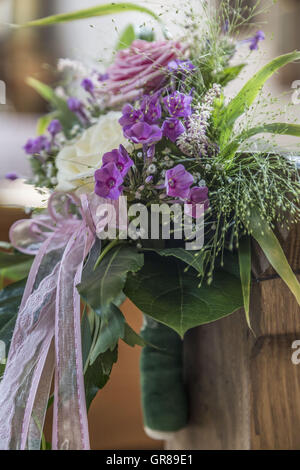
(115, 416)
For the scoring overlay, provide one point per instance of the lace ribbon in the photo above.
(47, 337)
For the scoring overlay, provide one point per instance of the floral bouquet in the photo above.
(155, 191)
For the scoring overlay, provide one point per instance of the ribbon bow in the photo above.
(47, 336)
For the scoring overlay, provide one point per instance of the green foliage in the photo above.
(261, 231)
(132, 338)
(101, 10)
(229, 73)
(194, 259)
(14, 266)
(278, 128)
(97, 375)
(245, 272)
(44, 122)
(63, 114)
(102, 286)
(10, 299)
(244, 99)
(112, 328)
(163, 290)
(126, 38)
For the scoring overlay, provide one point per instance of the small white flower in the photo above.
(77, 163)
(151, 169)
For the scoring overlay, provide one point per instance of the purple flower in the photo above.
(102, 77)
(130, 116)
(178, 182)
(254, 40)
(172, 128)
(151, 109)
(121, 159)
(54, 127)
(149, 179)
(225, 27)
(108, 181)
(88, 85)
(33, 146)
(178, 104)
(11, 176)
(181, 66)
(150, 151)
(143, 133)
(74, 104)
(196, 197)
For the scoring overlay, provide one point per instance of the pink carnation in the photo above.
(140, 68)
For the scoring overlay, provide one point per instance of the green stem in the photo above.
(108, 247)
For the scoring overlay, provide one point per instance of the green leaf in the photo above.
(126, 38)
(101, 10)
(229, 73)
(280, 128)
(44, 122)
(10, 299)
(241, 102)
(164, 291)
(2, 369)
(132, 338)
(270, 245)
(63, 114)
(245, 273)
(98, 374)
(14, 266)
(102, 286)
(86, 337)
(195, 259)
(111, 330)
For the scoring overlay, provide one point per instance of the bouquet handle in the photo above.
(164, 397)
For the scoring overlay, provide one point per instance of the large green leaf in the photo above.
(164, 291)
(104, 285)
(245, 273)
(280, 128)
(195, 259)
(126, 38)
(14, 266)
(270, 245)
(97, 375)
(132, 338)
(63, 113)
(241, 102)
(101, 10)
(112, 328)
(10, 299)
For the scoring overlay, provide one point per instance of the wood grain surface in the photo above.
(244, 389)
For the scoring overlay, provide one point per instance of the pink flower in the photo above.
(140, 69)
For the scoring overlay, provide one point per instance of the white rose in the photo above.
(77, 163)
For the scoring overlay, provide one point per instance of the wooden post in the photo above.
(245, 390)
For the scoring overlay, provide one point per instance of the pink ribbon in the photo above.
(47, 337)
